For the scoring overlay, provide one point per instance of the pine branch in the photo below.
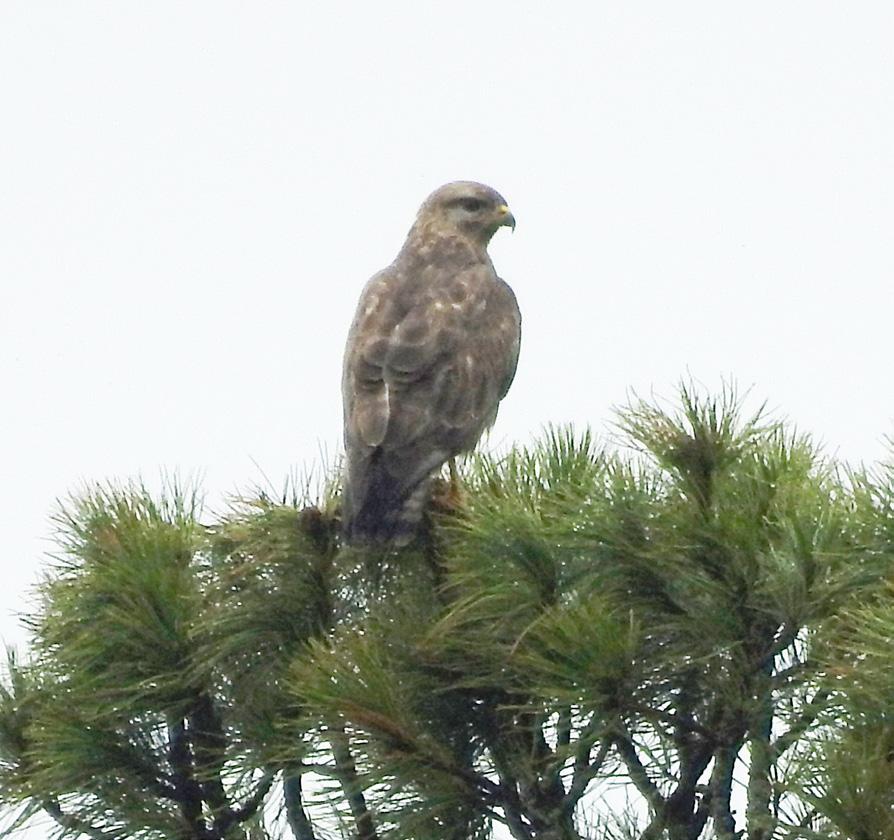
(350, 782)
(655, 829)
(637, 771)
(550, 787)
(563, 730)
(540, 749)
(553, 774)
(679, 721)
(794, 671)
(695, 749)
(251, 805)
(508, 787)
(478, 785)
(784, 639)
(148, 775)
(188, 791)
(681, 810)
(72, 823)
(299, 822)
(801, 724)
(528, 806)
(209, 749)
(760, 820)
(585, 771)
(721, 785)
(517, 827)
(700, 820)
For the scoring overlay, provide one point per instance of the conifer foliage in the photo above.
(684, 635)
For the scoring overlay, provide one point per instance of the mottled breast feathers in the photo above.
(431, 352)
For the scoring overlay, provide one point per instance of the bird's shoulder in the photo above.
(452, 279)
(504, 294)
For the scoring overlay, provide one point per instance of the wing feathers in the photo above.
(371, 416)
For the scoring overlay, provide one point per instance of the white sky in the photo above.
(193, 194)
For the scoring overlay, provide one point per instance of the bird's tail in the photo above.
(381, 509)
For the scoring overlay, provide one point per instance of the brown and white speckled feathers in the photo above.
(430, 354)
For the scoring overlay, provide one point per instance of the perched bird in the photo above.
(431, 352)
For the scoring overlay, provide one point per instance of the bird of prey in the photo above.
(431, 352)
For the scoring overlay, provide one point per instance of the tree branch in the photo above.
(702, 813)
(801, 724)
(637, 772)
(585, 772)
(72, 823)
(188, 792)
(721, 785)
(797, 669)
(516, 825)
(251, 805)
(695, 755)
(296, 816)
(209, 749)
(508, 787)
(759, 818)
(350, 782)
(563, 728)
(680, 722)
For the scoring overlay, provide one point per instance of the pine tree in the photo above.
(683, 636)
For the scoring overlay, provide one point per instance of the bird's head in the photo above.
(466, 207)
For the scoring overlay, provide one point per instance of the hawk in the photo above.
(431, 352)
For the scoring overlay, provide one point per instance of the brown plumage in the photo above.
(430, 354)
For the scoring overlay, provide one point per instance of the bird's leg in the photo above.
(446, 494)
(454, 490)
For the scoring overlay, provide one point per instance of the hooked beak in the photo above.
(506, 217)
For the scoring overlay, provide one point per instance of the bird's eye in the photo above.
(472, 205)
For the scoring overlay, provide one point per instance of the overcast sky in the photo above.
(193, 194)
